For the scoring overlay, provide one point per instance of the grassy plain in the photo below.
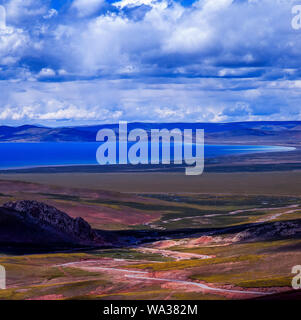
(269, 183)
(166, 202)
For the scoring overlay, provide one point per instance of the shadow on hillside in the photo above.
(144, 236)
(128, 238)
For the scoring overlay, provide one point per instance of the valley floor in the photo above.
(200, 252)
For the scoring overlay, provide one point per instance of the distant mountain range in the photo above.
(262, 132)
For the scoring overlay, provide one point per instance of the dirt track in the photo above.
(174, 254)
(143, 275)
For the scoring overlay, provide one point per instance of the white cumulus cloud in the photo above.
(87, 7)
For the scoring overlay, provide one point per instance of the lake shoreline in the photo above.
(32, 156)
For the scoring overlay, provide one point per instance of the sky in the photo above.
(81, 62)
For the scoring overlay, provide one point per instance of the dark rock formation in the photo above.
(270, 231)
(47, 224)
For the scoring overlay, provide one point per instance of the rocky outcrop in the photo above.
(55, 221)
(270, 231)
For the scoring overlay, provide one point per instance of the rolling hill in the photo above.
(32, 224)
(286, 132)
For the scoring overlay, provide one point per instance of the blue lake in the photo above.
(26, 155)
